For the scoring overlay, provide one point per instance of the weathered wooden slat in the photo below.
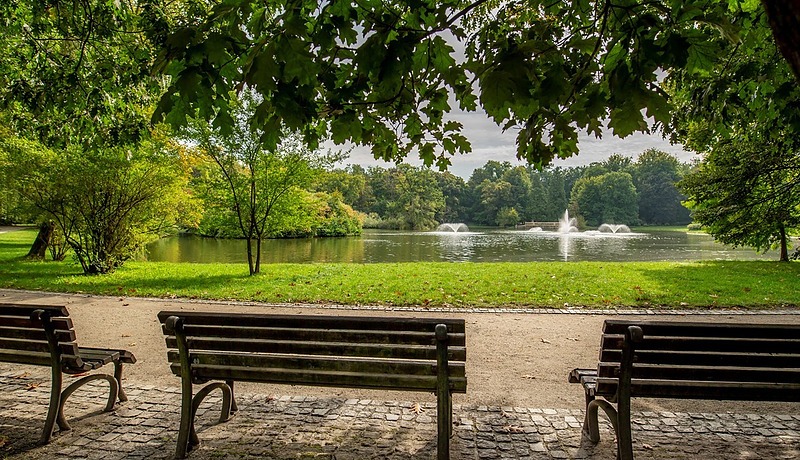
(26, 310)
(722, 330)
(124, 356)
(36, 345)
(316, 321)
(323, 363)
(246, 331)
(704, 373)
(34, 334)
(739, 391)
(60, 323)
(25, 357)
(319, 348)
(324, 378)
(731, 345)
(704, 358)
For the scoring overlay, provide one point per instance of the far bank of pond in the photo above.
(478, 245)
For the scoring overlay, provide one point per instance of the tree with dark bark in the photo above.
(255, 179)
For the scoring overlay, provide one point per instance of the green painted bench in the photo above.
(43, 335)
(414, 354)
(715, 361)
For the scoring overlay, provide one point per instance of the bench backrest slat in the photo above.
(307, 334)
(710, 344)
(704, 360)
(360, 352)
(337, 348)
(325, 379)
(34, 334)
(698, 329)
(23, 340)
(313, 321)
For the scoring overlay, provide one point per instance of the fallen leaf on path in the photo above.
(574, 339)
(32, 386)
(417, 409)
(545, 341)
(3, 441)
(529, 377)
(647, 447)
(22, 375)
(513, 429)
(79, 375)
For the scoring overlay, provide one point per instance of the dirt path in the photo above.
(512, 359)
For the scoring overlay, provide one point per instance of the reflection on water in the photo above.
(474, 246)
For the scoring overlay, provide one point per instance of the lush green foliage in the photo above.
(501, 194)
(608, 198)
(655, 176)
(252, 181)
(76, 73)
(106, 203)
(380, 73)
(553, 285)
(743, 117)
(747, 194)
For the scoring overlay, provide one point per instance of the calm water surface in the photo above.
(475, 246)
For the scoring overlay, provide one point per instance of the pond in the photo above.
(478, 245)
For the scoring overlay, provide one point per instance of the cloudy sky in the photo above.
(490, 143)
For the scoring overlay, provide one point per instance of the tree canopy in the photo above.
(386, 74)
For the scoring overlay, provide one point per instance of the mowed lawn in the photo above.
(750, 284)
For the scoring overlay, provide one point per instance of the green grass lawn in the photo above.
(753, 284)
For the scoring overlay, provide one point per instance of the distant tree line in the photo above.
(618, 190)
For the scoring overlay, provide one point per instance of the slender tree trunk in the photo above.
(258, 255)
(250, 256)
(42, 241)
(784, 245)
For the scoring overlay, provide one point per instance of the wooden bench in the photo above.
(44, 336)
(415, 354)
(717, 361)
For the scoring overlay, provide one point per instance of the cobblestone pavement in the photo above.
(298, 427)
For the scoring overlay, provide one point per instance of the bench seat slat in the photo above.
(680, 343)
(315, 321)
(124, 356)
(374, 380)
(704, 358)
(328, 363)
(34, 334)
(319, 348)
(740, 391)
(723, 330)
(319, 335)
(704, 373)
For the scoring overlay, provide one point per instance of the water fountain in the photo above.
(567, 224)
(452, 228)
(614, 228)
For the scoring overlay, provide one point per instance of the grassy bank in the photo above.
(553, 284)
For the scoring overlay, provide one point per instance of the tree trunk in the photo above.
(784, 245)
(784, 19)
(39, 246)
(258, 255)
(250, 256)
